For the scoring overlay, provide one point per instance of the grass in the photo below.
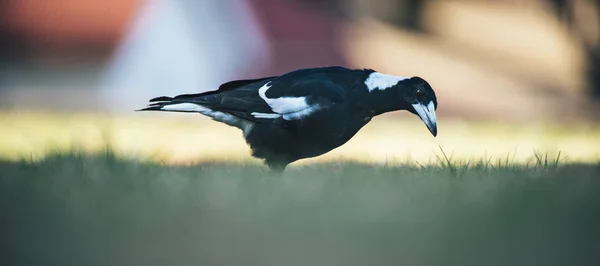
(77, 209)
(166, 200)
(185, 138)
(542, 162)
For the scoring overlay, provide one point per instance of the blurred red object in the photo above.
(67, 26)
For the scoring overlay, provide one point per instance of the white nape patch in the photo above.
(290, 108)
(265, 115)
(228, 119)
(381, 81)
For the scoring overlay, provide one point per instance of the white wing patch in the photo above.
(228, 119)
(265, 115)
(381, 81)
(290, 108)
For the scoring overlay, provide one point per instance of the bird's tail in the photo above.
(173, 104)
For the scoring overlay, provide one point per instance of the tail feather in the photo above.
(183, 103)
(151, 108)
(161, 99)
(156, 104)
(179, 103)
(171, 104)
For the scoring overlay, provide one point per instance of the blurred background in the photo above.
(513, 77)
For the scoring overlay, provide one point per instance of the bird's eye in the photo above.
(420, 94)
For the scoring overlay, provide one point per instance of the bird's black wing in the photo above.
(292, 96)
(235, 97)
(296, 98)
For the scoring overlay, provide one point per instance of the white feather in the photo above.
(228, 119)
(265, 115)
(381, 81)
(301, 114)
(186, 107)
(291, 108)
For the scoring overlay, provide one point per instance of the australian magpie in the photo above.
(307, 112)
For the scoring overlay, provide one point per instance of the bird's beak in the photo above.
(427, 114)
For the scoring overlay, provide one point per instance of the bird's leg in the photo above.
(277, 167)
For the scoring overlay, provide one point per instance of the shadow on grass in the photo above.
(74, 209)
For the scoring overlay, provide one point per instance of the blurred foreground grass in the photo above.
(76, 209)
(389, 139)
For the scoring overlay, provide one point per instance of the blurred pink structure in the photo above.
(515, 56)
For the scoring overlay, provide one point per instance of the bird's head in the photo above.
(421, 101)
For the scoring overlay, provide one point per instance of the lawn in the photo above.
(189, 138)
(78, 209)
(171, 189)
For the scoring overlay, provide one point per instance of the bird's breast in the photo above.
(331, 129)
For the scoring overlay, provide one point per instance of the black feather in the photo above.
(239, 83)
(224, 87)
(150, 108)
(161, 99)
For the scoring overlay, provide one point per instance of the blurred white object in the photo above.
(176, 47)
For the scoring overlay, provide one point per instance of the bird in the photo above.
(307, 112)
